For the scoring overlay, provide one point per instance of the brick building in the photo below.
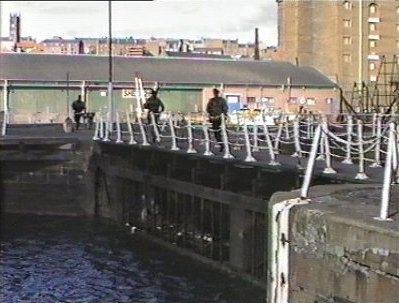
(345, 40)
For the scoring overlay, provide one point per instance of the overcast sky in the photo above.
(189, 19)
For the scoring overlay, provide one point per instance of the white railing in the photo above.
(312, 139)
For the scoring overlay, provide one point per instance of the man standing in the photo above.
(79, 108)
(154, 105)
(215, 107)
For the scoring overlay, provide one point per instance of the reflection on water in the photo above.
(60, 259)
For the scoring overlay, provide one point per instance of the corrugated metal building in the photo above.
(49, 83)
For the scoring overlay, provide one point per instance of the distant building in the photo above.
(186, 83)
(58, 45)
(344, 39)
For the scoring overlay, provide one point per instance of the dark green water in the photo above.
(63, 259)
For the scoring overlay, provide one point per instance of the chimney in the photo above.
(256, 55)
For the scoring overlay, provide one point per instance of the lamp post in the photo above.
(110, 97)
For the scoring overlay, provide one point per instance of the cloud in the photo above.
(228, 19)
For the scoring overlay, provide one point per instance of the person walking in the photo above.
(78, 107)
(154, 105)
(215, 108)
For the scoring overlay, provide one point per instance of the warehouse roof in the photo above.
(49, 67)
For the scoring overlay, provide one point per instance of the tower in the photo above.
(15, 28)
(346, 40)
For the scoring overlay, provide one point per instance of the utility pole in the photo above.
(110, 97)
(1, 22)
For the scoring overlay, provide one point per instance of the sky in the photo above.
(183, 19)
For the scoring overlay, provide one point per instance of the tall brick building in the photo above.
(343, 39)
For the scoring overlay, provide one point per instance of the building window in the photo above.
(347, 23)
(347, 58)
(372, 66)
(251, 101)
(347, 5)
(372, 43)
(347, 40)
(373, 8)
(310, 101)
(372, 27)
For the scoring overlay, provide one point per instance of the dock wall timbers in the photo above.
(221, 216)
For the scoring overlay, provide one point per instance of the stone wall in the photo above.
(50, 182)
(338, 252)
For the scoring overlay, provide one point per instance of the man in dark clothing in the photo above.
(154, 105)
(215, 107)
(79, 108)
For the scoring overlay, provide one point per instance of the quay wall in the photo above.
(209, 208)
(46, 181)
(338, 252)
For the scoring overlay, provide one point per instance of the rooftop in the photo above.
(48, 67)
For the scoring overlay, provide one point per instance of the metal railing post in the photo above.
(130, 129)
(348, 158)
(142, 131)
(361, 175)
(272, 155)
(5, 108)
(173, 134)
(190, 149)
(255, 147)
(155, 127)
(227, 154)
(377, 151)
(207, 151)
(298, 151)
(278, 135)
(249, 157)
(108, 125)
(311, 162)
(328, 169)
(118, 129)
(96, 129)
(384, 210)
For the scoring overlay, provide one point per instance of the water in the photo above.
(63, 259)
